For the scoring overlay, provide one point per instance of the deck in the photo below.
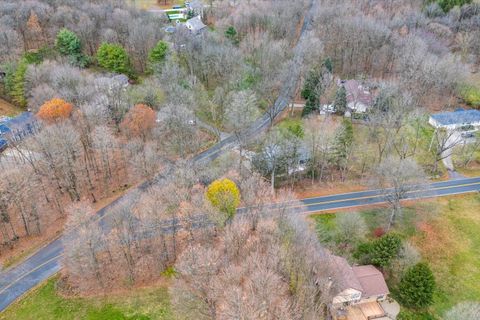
(363, 311)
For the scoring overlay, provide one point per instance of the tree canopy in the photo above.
(113, 57)
(55, 110)
(417, 286)
(139, 121)
(158, 53)
(224, 195)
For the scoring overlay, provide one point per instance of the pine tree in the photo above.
(232, 35)
(312, 89)
(385, 249)
(158, 53)
(340, 103)
(417, 286)
(18, 84)
(327, 63)
(343, 142)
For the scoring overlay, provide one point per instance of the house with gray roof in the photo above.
(458, 119)
(195, 25)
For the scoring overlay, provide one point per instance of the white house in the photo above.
(468, 120)
(359, 97)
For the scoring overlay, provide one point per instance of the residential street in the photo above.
(46, 262)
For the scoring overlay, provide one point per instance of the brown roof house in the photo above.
(359, 96)
(360, 290)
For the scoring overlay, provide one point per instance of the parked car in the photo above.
(467, 135)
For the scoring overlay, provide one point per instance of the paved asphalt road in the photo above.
(46, 262)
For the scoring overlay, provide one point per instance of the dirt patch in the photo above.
(153, 4)
(8, 109)
(305, 189)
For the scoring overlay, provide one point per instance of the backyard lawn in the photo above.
(446, 232)
(44, 304)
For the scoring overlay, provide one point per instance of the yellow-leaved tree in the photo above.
(224, 195)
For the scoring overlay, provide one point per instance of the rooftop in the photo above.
(366, 279)
(357, 92)
(457, 117)
(195, 24)
(371, 279)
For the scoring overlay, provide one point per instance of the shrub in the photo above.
(232, 35)
(409, 315)
(113, 57)
(224, 195)
(471, 95)
(417, 286)
(379, 252)
(378, 232)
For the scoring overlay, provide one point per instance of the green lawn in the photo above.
(446, 231)
(44, 304)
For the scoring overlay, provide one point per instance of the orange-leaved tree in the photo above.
(139, 121)
(55, 110)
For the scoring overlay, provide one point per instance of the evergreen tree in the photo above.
(340, 102)
(417, 286)
(158, 53)
(385, 249)
(232, 35)
(327, 63)
(113, 57)
(17, 85)
(343, 142)
(447, 5)
(311, 91)
(68, 44)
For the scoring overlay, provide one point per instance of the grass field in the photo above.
(44, 304)
(446, 231)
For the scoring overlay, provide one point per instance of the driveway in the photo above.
(455, 139)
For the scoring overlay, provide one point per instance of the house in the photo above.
(463, 120)
(195, 25)
(360, 292)
(17, 128)
(359, 97)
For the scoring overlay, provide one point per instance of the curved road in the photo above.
(46, 262)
